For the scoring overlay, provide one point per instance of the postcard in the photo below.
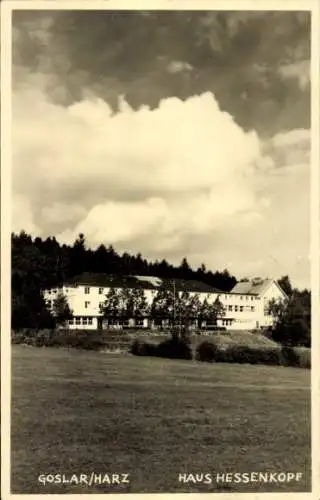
(160, 248)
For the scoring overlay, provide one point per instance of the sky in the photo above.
(174, 134)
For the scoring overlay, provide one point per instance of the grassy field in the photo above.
(81, 412)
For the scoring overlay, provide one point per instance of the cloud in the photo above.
(298, 70)
(181, 179)
(178, 66)
(149, 56)
(154, 152)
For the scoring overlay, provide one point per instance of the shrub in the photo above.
(255, 355)
(285, 356)
(174, 348)
(207, 351)
(304, 355)
(141, 348)
(290, 356)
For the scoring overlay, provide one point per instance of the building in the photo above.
(245, 306)
(266, 290)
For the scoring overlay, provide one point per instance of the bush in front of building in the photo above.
(208, 351)
(78, 339)
(304, 355)
(174, 348)
(143, 348)
(249, 355)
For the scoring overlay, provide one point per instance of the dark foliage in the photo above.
(292, 320)
(290, 356)
(249, 355)
(142, 348)
(174, 348)
(207, 351)
(77, 339)
(286, 356)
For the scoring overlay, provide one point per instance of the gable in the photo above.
(274, 291)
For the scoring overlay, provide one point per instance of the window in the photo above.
(230, 308)
(252, 308)
(226, 297)
(71, 321)
(247, 298)
(89, 321)
(241, 308)
(84, 320)
(78, 321)
(49, 292)
(236, 308)
(241, 297)
(86, 290)
(251, 297)
(100, 291)
(86, 304)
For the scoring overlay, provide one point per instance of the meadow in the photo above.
(79, 411)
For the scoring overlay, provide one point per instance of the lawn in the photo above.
(81, 412)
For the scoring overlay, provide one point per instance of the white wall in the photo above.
(273, 292)
(245, 311)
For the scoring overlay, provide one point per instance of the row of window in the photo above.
(80, 320)
(87, 304)
(101, 292)
(242, 297)
(247, 297)
(230, 308)
(87, 290)
(241, 308)
(226, 322)
(243, 321)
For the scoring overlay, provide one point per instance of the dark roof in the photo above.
(144, 282)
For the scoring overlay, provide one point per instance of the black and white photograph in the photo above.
(160, 233)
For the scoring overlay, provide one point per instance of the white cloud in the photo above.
(22, 216)
(178, 67)
(299, 70)
(181, 179)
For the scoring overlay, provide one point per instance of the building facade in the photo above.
(246, 306)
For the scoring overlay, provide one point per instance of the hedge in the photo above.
(78, 339)
(282, 356)
(171, 348)
(207, 350)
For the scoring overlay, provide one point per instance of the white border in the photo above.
(285, 5)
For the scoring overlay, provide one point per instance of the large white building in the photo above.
(245, 306)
